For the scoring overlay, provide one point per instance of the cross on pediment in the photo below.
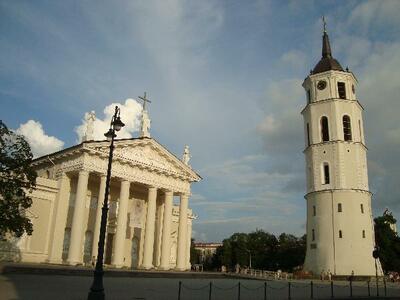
(144, 99)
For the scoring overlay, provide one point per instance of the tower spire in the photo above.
(327, 62)
(326, 46)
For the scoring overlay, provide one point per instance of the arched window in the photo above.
(308, 134)
(347, 128)
(341, 90)
(314, 210)
(339, 207)
(324, 129)
(313, 235)
(308, 96)
(363, 234)
(362, 208)
(326, 178)
(340, 234)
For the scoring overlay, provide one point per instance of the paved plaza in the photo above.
(47, 286)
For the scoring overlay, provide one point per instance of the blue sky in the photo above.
(224, 77)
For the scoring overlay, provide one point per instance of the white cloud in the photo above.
(131, 111)
(294, 58)
(370, 14)
(39, 141)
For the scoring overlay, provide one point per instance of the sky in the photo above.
(224, 77)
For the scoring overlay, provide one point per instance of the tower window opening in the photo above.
(326, 178)
(308, 134)
(308, 96)
(314, 210)
(324, 129)
(347, 128)
(359, 127)
(363, 234)
(313, 235)
(339, 207)
(340, 234)
(341, 90)
(362, 208)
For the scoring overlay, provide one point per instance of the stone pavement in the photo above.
(44, 282)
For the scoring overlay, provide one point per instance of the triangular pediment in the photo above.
(145, 153)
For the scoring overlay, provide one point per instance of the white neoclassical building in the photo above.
(340, 232)
(145, 228)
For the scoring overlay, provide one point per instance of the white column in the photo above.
(149, 231)
(119, 246)
(189, 242)
(158, 234)
(75, 253)
(100, 200)
(59, 220)
(166, 233)
(182, 242)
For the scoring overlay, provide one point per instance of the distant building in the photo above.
(207, 250)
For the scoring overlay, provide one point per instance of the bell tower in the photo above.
(340, 232)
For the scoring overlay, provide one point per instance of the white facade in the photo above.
(144, 230)
(340, 233)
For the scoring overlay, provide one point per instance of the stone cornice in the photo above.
(331, 100)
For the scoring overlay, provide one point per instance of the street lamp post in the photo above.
(249, 258)
(97, 289)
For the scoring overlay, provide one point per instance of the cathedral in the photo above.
(145, 229)
(340, 229)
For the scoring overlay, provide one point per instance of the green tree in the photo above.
(16, 178)
(388, 242)
(292, 251)
(194, 254)
(267, 251)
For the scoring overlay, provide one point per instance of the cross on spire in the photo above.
(144, 100)
(324, 22)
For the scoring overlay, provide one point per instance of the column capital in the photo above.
(168, 192)
(83, 172)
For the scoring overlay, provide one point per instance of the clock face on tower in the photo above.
(321, 84)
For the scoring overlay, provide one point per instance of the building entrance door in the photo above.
(135, 253)
(109, 247)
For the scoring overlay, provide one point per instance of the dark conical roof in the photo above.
(327, 62)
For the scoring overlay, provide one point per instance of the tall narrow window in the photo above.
(308, 96)
(347, 128)
(308, 134)
(341, 90)
(326, 179)
(339, 207)
(314, 210)
(340, 234)
(313, 235)
(362, 208)
(363, 234)
(324, 129)
(359, 128)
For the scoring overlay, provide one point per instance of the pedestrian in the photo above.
(322, 275)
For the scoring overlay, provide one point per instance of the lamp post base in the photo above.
(97, 290)
(96, 295)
